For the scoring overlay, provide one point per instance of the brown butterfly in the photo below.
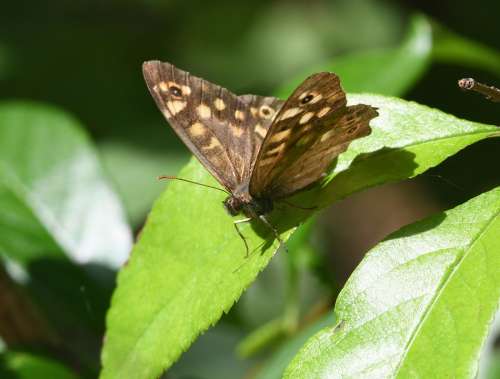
(261, 149)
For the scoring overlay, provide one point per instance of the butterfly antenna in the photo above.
(192, 182)
(491, 93)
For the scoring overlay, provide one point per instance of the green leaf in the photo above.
(407, 139)
(53, 193)
(450, 47)
(419, 305)
(189, 265)
(389, 71)
(60, 222)
(20, 365)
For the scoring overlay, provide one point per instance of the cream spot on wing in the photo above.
(203, 111)
(281, 135)
(174, 90)
(163, 86)
(306, 117)
(176, 106)
(289, 113)
(186, 90)
(197, 129)
(237, 132)
(239, 115)
(266, 111)
(303, 94)
(253, 111)
(316, 98)
(306, 128)
(214, 142)
(260, 130)
(265, 162)
(323, 112)
(327, 135)
(278, 149)
(219, 104)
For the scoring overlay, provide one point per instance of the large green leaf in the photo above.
(189, 265)
(60, 222)
(419, 305)
(53, 193)
(389, 71)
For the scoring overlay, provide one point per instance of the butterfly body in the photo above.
(250, 207)
(261, 149)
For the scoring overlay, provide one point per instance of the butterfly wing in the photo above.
(216, 125)
(311, 128)
(350, 125)
(263, 110)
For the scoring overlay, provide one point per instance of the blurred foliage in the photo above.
(75, 66)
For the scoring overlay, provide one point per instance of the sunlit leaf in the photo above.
(53, 194)
(189, 265)
(419, 305)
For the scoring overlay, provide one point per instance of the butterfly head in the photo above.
(233, 205)
(252, 208)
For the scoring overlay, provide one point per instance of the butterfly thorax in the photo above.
(247, 205)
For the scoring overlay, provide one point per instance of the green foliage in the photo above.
(421, 302)
(387, 71)
(19, 365)
(178, 283)
(59, 219)
(453, 48)
(53, 193)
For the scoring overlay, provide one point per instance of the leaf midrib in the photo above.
(440, 291)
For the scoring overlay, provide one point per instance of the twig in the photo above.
(491, 93)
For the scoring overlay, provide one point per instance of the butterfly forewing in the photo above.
(203, 115)
(312, 109)
(223, 131)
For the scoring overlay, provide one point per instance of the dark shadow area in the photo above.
(366, 170)
(74, 300)
(370, 169)
(5, 371)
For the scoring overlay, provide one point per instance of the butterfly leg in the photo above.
(241, 234)
(275, 232)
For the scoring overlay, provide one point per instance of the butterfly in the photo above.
(260, 149)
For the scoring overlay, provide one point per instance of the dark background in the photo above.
(85, 57)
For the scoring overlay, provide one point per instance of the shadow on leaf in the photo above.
(365, 171)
